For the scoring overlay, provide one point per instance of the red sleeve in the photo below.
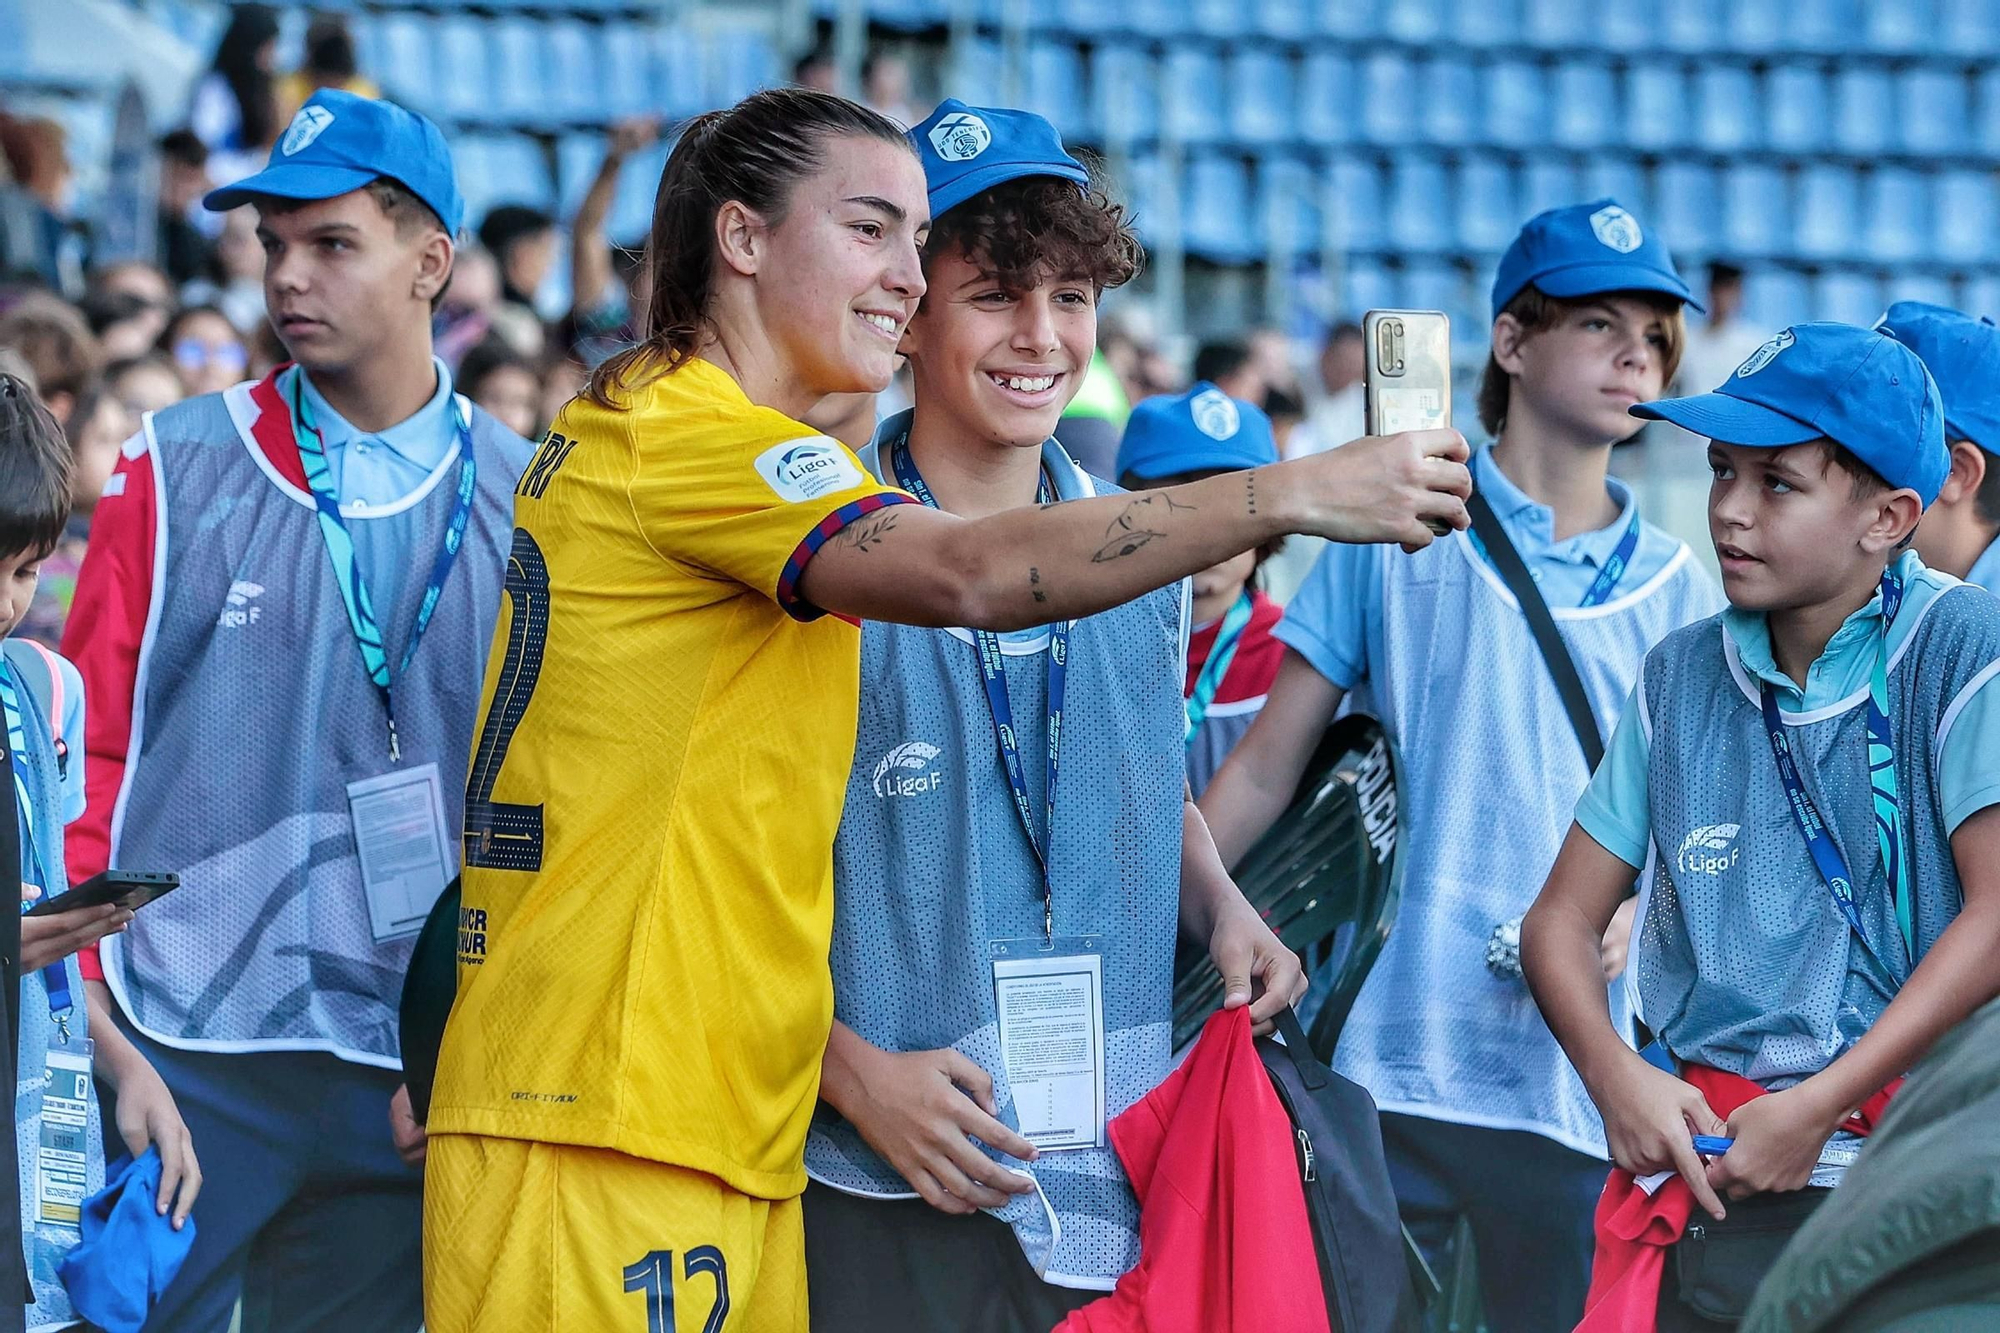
(106, 627)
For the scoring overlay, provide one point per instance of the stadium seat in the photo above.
(738, 62)
(1346, 18)
(1219, 222)
(1774, 297)
(1863, 110)
(1832, 26)
(638, 186)
(1688, 201)
(459, 43)
(1986, 127)
(1849, 296)
(1364, 285)
(1795, 111)
(1480, 23)
(1420, 208)
(1288, 206)
(1483, 203)
(1981, 295)
(1447, 103)
(1629, 27)
(1931, 110)
(1515, 114)
(519, 72)
(500, 169)
(1689, 25)
(1282, 20)
(1905, 26)
(574, 90)
(401, 55)
(1826, 212)
(1354, 203)
(1897, 206)
(1191, 95)
(1549, 183)
(1389, 99)
(1413, 21)
(1586, 103)
(1125, 97)
(679, 83)
(1261, 96)
(1556, 24)
(1055, 88)
(1216, 19)
(625, 59)
(1727, 111)
(1622, 179)
(1750, 27)
(1753, 206)
(972, 71)
(1968, 27)
(1966, 209)
(578, 155)
(1656, 105)
(1326, 99)
(1435, 284)
(1918, 285)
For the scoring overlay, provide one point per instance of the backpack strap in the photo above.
(1555, 653)
(49, 691)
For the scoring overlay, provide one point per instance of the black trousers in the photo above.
(873, 1264)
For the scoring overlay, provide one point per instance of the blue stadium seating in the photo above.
(1897, 206)
(1345, 18)
(1754, 26)
(1125, 94)
(1420, 215)
(1826, 214)
(1414, 21)
(737, 64)
(1863, 110)
(1366, 284)
(1484, 204)
(1288, 205)
(1774, 296)
(1515, 112)
(1753, 207)
(1140, 182)
(1388, 98)
(399, 46)
(1584, 92)
(1966, 210)
(1825, 25)
(1326, 99)
(501, 169)
(1688, 201)
(679, 82)
(1556, 23)
(1549, 183)
(1656, 105)
(1848, 295)
(1904, 26)
(1986, 128)
(1261, 96)
(1931, 111)
(1216, 204)
(1795, 110)
(1191, 95)
(632, 206)
(1055, 87)
(1623, 179)
(1689, 25)
(462, 44)
(1968, 27)
(1354, 202)
(1727, 109)
(572, 89)
(1918, 285)
(1478, 23)
(1981, 294)
(1447, 104)
(625, 57)
(974, 72)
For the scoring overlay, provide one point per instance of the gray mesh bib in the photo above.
(931, 864)
(252, 714)
(1495, 771)
(1743, 961)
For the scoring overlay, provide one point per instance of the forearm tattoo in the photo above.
(1250, 489)
(866, 534)
(1035, 584)
(1137, 525)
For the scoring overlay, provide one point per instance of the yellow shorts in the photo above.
(526, 1237)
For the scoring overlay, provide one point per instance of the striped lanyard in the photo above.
(1220, 655)
(993, 677)
(347, 570)
(55, 978)
(1825, 852)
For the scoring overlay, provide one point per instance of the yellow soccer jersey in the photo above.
(653, 795)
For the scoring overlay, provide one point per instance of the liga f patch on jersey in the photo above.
(803, 470)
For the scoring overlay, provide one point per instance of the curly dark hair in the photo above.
(1029, 229)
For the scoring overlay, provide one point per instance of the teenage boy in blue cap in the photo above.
(1482, 1115)
(1960, 534)
(1232, 656)
(263, 722)
(955, 1184)
(1809, 782)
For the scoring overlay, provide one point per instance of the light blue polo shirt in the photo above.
(376, 474)
(1335, 619)
(1615, 810)
(1985, 571)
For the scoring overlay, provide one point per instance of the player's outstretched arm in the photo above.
(918, 566)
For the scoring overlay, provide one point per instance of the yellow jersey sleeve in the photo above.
(753, 514)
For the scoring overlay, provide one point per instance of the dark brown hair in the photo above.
(1987, 498)
(34, 472)
(53, 337)
(754, 153)
(1537, 312)
(1033, 228)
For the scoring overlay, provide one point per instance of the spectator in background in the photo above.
(145, 384)
(330, 62)
(1228, 365)
(37, 152)
(1339, 415)
(206, 349)
(502, 381)
(607, 282)
(885, 86)
(816, 70)
(54, 340)
(465, 317)
(185, 250)
(1133, 354)
(522, 241)
(235, 106)
(1722, 342)
(134, 277)
(96, 428)
(233, 283)
(123, 324)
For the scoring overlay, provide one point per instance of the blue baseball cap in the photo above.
(966, 149)
(1586, 249)
(1202, 430)
(338, 143)
(1853, 386)
(1963, 356)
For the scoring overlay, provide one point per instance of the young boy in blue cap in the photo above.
(1960, 534)
(281, 623)
(1016, 815)
(1232, 656)
(1808, 782)
(1482, 1115)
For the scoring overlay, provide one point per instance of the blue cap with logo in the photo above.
(1202, 430)
(1963, 356)
(339, 142)
(1854, 386)
(1584, 250)
(966, 149)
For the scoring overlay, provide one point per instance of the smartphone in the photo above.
(1407, 385)
(131, 889)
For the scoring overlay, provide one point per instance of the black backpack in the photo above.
(1337, 1138)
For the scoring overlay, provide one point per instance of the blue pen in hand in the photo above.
(1711, 1145)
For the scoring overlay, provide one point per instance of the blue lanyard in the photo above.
(1220, 655)
(1602, 586)
(55, 978)
(347, 570)
(1002, 709)
(1881, 779)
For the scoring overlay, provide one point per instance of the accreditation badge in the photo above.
(1049, 994)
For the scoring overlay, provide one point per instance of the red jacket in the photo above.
(1634, 1229)
(1224, 1243)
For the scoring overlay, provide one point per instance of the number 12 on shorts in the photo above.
(654, 1276)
